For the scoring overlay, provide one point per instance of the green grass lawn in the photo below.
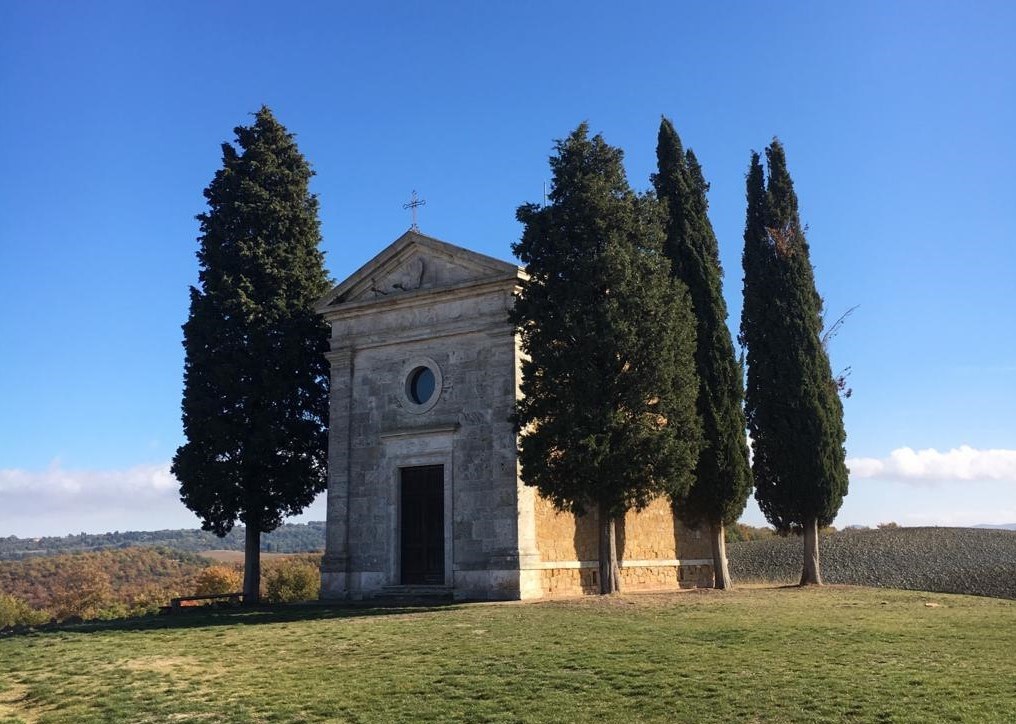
(833, 654)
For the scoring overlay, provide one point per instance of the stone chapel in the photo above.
(425, 493)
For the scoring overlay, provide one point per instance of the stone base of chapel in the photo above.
(656, 551)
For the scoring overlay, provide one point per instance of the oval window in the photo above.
(420, 385)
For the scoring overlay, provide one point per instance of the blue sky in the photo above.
(897, 119)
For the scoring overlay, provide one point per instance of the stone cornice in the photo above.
(339, 356)
(494, 328)
(422, 297)
(425, 430)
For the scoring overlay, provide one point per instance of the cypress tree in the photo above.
(607, 419)
(255, 401)
(793, 409)
(722, 473)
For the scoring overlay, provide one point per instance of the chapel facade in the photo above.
(425, 494)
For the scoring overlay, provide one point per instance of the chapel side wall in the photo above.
(650, 545)
(696, 553)
(568, 550)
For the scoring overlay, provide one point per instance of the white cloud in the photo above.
(961, 516)
(959, 464)
(57, 487)
(57, 501)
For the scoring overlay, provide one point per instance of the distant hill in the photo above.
(948, 560)
(1003, 526)
(288, 538)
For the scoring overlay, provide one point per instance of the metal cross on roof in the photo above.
(412, 206)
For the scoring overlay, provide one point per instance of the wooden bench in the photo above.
(177, 603)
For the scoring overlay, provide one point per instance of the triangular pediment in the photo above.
(414, 263)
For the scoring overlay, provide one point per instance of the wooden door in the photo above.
(422, 525)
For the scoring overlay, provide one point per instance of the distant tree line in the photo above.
(287, 538)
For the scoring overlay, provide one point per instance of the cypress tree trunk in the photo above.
(610, 573)
(812, 573)
(721, 574)
(252, 566)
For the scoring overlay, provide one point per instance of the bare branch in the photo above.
(833, 330)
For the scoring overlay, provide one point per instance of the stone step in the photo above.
(415, 593)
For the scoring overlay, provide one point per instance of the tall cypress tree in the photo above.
(793, 408)
(255, 402)
(607, 419)
(722, 473)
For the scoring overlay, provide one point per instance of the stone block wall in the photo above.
(696, 576)
(650, 534)
(586, 581)
(462, 334)
(569, 581)
(564, 536)
(657, 551)
(692, 543)
(468, 431)
(423, 302)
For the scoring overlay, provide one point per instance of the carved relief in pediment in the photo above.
(418, 272)
(412, 263)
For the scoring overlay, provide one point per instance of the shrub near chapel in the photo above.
(218, 580)
(16, 612)
(290, 581)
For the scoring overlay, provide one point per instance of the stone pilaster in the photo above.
(530, 580)
(335, 563)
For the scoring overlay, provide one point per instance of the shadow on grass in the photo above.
(208, 616)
